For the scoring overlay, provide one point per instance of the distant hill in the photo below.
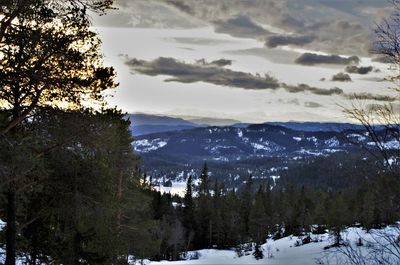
(142, 124)
(266, 151)
(318, 126)
(213, 121)
(148, 119)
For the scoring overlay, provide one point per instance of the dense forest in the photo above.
(71, 191)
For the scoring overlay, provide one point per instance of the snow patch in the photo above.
(145, 145)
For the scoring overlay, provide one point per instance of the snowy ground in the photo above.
(289, 250)
(284, 251)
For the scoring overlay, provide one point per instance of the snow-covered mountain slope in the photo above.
(265, 151)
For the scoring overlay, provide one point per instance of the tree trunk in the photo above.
(11, 228)
(34, 254)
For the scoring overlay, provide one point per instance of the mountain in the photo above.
(230, 143)
(213, 121)
(318, 126)
(266, 151)
(148, 119)
(142, 124)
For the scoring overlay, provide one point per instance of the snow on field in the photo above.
(178, 188)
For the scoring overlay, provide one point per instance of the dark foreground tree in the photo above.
(48, 56)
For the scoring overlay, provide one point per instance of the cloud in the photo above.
(312, 59)
(383, 59)
(280, 40)
(199, 41)
(347, 29)
(369, 96)
(315, 90)
(146, 14)
(311, 104)
(341, 77)
(203, 71)
(352, 69)
(241, 26)
(222, 62)
(215, 73)
(294, 101)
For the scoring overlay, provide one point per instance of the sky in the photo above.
(248, 60)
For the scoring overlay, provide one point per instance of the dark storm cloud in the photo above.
(363, 70)
(337, 91)
(279, 40)
(312, 59)
(341, 77)
(315, 90)
(213, 73)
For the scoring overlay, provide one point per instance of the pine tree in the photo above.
(49, 55)
(258, 220)
(246, 201)
(189, 212)
(203, 213)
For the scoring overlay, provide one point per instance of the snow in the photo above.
(392, 161)
(274, 178)
(177, 188)
(332, 142)
(280, 252)
(331, 151)
(309, 152)
(260, 147)
(221, 158)
(359, 137)
(144, 146)
(312, 139)
(393, 144)
(289, 250)
(2, 225)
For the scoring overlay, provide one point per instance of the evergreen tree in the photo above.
(189, 213)
(258, 219)
(203, 213)
(246, 201)
(49, 56)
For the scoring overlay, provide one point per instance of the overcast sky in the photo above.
(250, 60)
